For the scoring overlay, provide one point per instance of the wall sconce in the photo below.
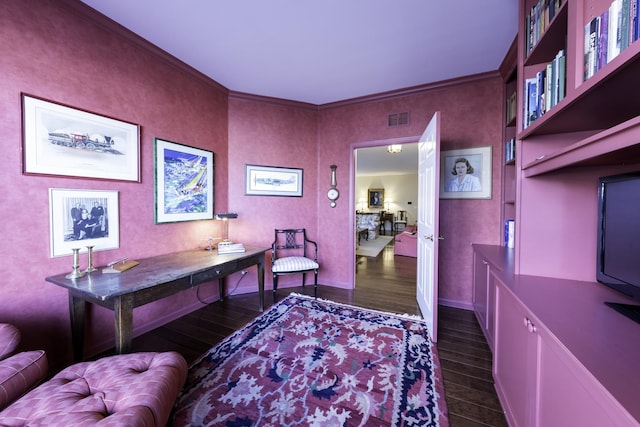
(225, 217)
(394, 149)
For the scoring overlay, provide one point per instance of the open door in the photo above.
(428, 237)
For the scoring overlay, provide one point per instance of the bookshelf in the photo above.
(593, 131)
(549, 372)
(508, 71)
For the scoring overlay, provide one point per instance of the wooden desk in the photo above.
(153, 279)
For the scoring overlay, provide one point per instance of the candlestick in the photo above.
(90, 267)
(76, 273)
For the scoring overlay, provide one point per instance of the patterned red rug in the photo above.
(308, 362)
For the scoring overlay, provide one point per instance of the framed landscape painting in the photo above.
(62, 140)
(183, 182)
(465, 173)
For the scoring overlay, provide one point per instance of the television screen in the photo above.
(618, 263)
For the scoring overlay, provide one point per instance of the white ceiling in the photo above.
(324, 51)
(374, 161)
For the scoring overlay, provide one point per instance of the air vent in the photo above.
(398, 119)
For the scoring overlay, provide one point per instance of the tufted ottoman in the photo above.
(136, 389)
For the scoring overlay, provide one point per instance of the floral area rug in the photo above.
(311, 362)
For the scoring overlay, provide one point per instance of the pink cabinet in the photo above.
(539, 382)
(480, 289)
(515, 359)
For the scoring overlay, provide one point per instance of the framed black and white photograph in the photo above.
(272, 181)
(62, 140)
(465, 173)
(81, 218)
(183, 182)
(376, 198)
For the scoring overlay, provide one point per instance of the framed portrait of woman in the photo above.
(465, 173)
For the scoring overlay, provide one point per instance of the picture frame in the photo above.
(61, 140)
(475, 184)
(82, 218)
(273, 181)
(183, 182)
(375, 197)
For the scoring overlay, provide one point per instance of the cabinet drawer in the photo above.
(213, 273)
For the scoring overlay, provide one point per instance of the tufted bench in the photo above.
(136, 389)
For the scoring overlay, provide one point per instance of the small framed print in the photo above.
(272, 181)
(183, 182)
(465, 173)
(81, 218)
(62, 140)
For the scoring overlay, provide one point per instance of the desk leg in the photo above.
(76, 315)
(221, 288)
(123, 313)
(261, 281)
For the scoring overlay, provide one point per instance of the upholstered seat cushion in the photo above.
(19, 373)
(293, 263)
(9, 339)
(137, 389)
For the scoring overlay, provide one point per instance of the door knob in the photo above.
(431, 237)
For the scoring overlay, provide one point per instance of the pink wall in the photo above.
(51, 50)
(471, 117)
(272, 134)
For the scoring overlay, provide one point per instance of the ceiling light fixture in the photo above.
(394, 149)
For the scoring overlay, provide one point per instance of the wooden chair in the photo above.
(401, 219)
(293, 253)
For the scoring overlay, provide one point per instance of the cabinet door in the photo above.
(491, 309)
(570, 396)
(480, 287)
(515, 366)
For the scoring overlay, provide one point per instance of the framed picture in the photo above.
(81, 218)
(61, 140)
(183, 182)
(272, 181)
(465, 173)
(376, 197)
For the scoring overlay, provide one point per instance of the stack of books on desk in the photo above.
(230, 248)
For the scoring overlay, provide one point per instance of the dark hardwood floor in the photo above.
(383, 283)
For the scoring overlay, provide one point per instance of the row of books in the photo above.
(510, 150)
(607, 35)
(546, 89)
(537, 21)
(230, 248)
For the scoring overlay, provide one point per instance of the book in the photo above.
(590, 45)
(509, 233)
(230, 248)
(603, 39)
(613, 40)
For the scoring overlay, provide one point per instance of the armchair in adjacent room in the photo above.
(401, 220)
(293, 253)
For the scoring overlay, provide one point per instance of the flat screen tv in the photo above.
(618, 263)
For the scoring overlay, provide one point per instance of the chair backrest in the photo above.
(293, 242)
(402, 216)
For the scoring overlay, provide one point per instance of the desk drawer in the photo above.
(213, 273)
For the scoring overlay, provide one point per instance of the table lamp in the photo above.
(225, 217)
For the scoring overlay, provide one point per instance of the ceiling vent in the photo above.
(398, 119)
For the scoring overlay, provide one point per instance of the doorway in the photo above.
(397, 175)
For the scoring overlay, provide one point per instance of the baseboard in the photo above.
(465, 305)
